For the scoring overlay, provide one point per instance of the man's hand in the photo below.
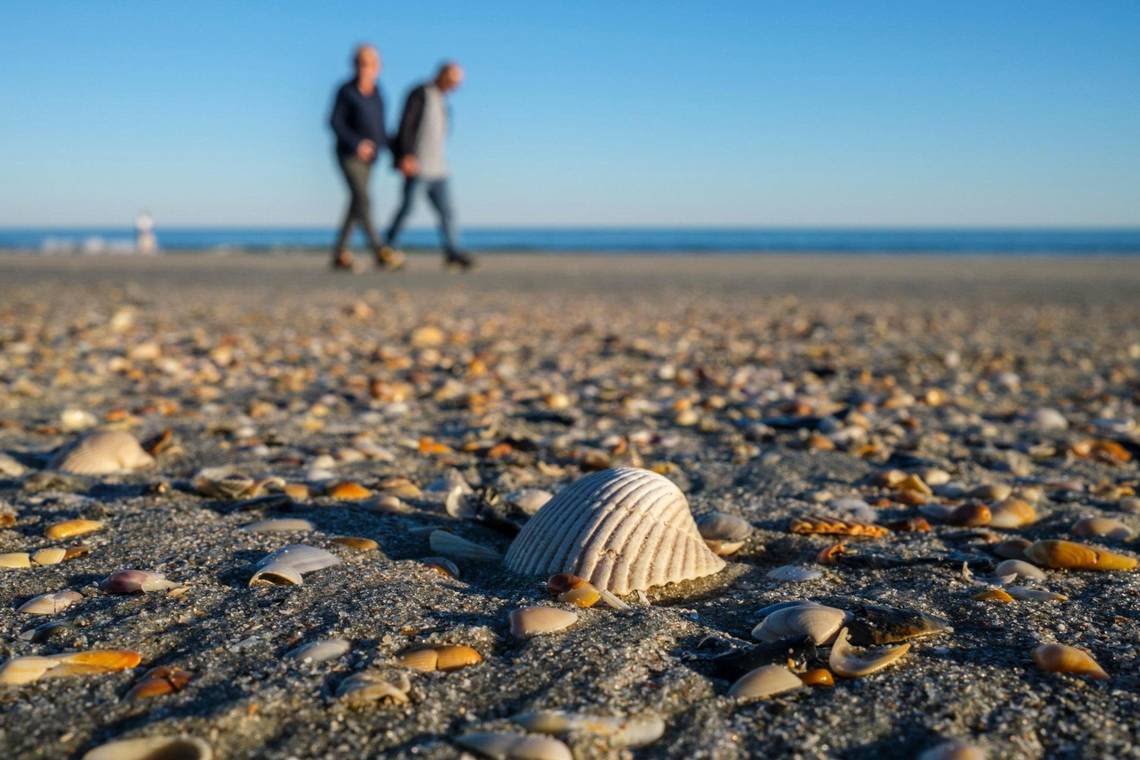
(409, 166)
(366, 150)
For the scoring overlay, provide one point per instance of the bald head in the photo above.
(449, 76)
(366, 61)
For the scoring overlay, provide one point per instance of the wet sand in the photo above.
(769, 387)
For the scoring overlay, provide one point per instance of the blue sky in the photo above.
(577, 113)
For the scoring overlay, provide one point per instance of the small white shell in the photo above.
(153, 748)
(814, 620)
(49, 604)
(623, 529)
(793, 574)
(102, 453)
(503, 746)
(765, 682)
(723, 533)
(451, 545)
(533, 621)
(1020, 568)
(369, 686)
(286, 565)
(319, 651)
(845, 661)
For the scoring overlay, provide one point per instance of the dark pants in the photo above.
(356, 173)
(440, 198)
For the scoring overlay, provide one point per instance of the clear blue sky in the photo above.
(615, 113)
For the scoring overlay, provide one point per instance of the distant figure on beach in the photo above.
(418, 153)
(145, 241)
(358, 121)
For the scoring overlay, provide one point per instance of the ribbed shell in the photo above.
(623, 529)
(103, 453)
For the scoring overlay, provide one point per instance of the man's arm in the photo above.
(339, 121)
(405, 143)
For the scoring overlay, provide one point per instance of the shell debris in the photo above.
(534, 621)
(444, 658)
(847, 662)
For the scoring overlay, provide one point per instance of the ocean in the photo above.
(1067, 241)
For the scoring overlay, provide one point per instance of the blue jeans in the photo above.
(440, 198)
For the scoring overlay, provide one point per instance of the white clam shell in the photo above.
(623, 529)
(153, 748)
(503, 746)
(286, 565)
(50, 604)
(765, 681)
(103, 453)
(319, 651)
(534, 621)
(814, 620)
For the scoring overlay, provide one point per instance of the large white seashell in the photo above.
(103, 453)
(623, 530)
(814, 620)
(286, 565)
(153, 748)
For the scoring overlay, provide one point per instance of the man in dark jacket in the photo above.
(418, 152)
(358, 121)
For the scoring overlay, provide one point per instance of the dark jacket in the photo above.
(357, 117)
(404, 143)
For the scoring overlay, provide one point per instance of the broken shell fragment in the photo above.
(1012, 513)
(1102, 527)
(50, 604)
(103, 453)
(619, 732)
(968, 515)
(845, 661)
(504, 746)
(879, 624)
(580, 592)
(835, 526)
(357, 543)
(817, 677)
(1068, 555)
(1060, 658)
(442, 565)
(51, 556)
(1026, 594)
(764, 682)
(15, 560)
(534, 621)
(622, 529)
(368, 687)
(134, 581)
(286, 565)
(153, 748)
(793, 574)
(443, 658)
(71, 528)
(349, 491)
(21, 670)
(993, 595)
(723, 533)
(279, 525)
(451, 545)
(160, 681)
(319, 651)
(815, 621)
(1019, 568)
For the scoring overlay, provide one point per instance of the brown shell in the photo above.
(1069, 555)
(834, 526)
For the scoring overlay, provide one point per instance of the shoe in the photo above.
(343, 262)
(460, 260)
(390, 258)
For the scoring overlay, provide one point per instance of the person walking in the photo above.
(358, 121)
(418, 154)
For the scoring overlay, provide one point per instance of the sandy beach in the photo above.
(892, 391)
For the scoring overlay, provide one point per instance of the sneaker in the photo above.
(390, 258)
(460, 260)
(343, 262)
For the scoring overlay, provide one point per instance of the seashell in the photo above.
(844, 660)
(529, 500)
(877, 624)
(442, 565)
(623, 529)
(764, 682)
(955, 749)
(223, 483)
(991, 492)
(10, 467)
(533, 621)
(580, 592)
(160, 681)
(50, 604)
(456, 503)
(71, 528)
(279, 525)
(51, 556)
(1060, 658)
(1102, 527)
(817, 677)
(134, 581)
(286, 565)
(1026, 594)
(443, 658)
(833, 526)
(153, 748)
(815, 621)
(72, 420)
(15, 560)
(723, 533)
(451, 545)
(319, 651)
(368, 687)
(22, 670)
(103, 453)
(503, 746)
(619, 732)
(1019, 568)
(1067, 555)
(358, 543)
(1012, 513)
(969, 515)
(349, 491)
(1012, 548)
(913, 483)
(793, 574)
(993, 595)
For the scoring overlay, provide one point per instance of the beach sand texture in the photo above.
(768, 387)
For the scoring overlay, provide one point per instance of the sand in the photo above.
(272, 365)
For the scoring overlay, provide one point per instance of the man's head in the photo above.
(449, 76)
(366, 61)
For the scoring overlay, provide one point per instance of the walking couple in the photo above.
(417, 153)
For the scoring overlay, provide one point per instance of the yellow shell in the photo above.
(1069, 555)
(1059, 658)
(70, 528)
